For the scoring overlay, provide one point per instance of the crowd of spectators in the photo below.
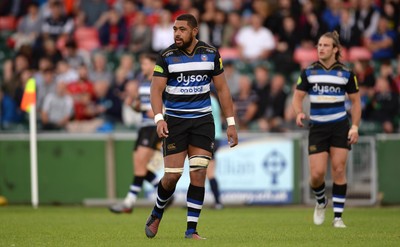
(84, 55)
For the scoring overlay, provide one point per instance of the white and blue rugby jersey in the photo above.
(327, 89)
(144, 97)
(187, 94)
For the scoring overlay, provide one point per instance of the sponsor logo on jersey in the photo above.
(192, 90)
(191, 78)
(325, 89)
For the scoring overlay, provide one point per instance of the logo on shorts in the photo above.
(313, 148)
(171, 146)
(145, 142)
(212, 145)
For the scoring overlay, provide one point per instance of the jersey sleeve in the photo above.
(352, 84)
(161, 67)
(218, 65)
(302, 82)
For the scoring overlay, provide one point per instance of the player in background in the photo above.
(327, 82)
(146, 153)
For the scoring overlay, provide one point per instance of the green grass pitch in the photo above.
(235, 226)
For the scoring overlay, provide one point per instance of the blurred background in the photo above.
(85, 58)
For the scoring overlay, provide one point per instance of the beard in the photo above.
(184, 44)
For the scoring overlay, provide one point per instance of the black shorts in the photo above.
(323, 136)
(148, 137)
(198, 132)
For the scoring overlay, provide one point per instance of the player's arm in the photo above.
(158, 85)
(297, 103)
(355, 117)
(225, 99)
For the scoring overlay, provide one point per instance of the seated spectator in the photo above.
(99, 70)
(48, 49)
(131, 117)
(82, 93)
(232, 76)
(231, 29)
(309, 26)
(57, 25)
(93, 10)
(9, 111)
(261, 85)
(48, 86)
(349, 33)
(140, 35)
(113, 32)
(71, 54)
(107, 105)
(384, 106)
(382, 42)
(255, 42)
(65, 73)
(331, 14)
(367, 17)
(274, 113)
(245, 103)
(162, 34)
(29, 27)
(57, 109)
(287, 42)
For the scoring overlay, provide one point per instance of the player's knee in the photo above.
(170, 170)
(197, 162)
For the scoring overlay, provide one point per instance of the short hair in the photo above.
(191, 20)
(336, 41)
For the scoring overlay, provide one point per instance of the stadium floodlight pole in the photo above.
(33, 156)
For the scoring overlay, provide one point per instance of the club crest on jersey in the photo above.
(204, 57)
(339, 73)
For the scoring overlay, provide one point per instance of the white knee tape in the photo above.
(173, 170)
(197, 162)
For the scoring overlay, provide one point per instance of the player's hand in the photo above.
(232, 136)
(352, 136)
(162, 129)
(299, 119)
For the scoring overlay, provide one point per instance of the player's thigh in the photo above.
(339, 137)
(142, 157)
(338, 161)
(202, 135)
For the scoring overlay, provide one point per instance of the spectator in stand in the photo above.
(107, 105)
(71, 54)
(261, 86)
(350, 34)
(255, 42)
(57, 109)
(47, 86)
(287, 42)
(382, 42)
(29, 27)
(9, 113)
(331, 14)
(274, 113)
(113, 31)
(157, 7)
(129, 12)
(99, 70)
(65, 73)
(140, 35)
(217, 27)
(245, 103)
(127, 64)
(396, 78)
(366, 81)
(367, 17)
(310, 27)
(57, 25)
(49, 50)
(93, 10)
(82, 93)
(162, 35)
(384, 106)
(232, 76)
(231, 29)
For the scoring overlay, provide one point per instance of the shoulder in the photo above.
(342, 67)
(205, 47)
(314, 65)
(169, 51)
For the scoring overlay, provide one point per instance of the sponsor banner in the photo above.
(258, 171)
